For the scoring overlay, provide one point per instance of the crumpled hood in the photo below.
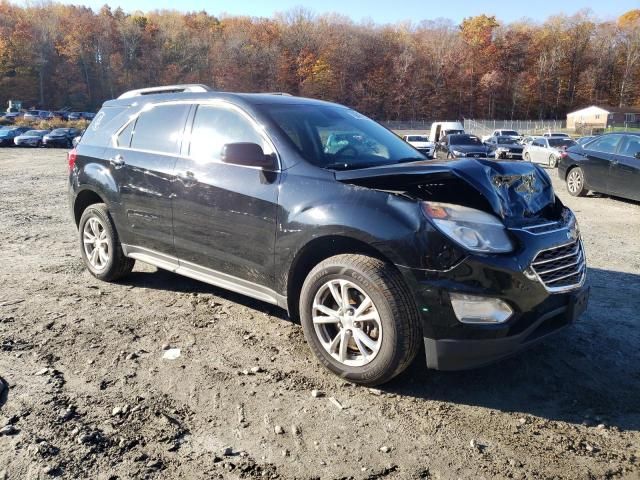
(514, 190)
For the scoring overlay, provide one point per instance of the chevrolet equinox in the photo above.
(315, 208)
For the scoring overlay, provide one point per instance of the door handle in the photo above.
(117, 161)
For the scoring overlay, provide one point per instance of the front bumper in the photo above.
(538, 310)
(462, 354)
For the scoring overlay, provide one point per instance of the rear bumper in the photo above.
(463, 354)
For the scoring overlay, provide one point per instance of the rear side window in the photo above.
(605, 144)
(630, 146)
(160, 129)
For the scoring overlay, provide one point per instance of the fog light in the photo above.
(473, 309)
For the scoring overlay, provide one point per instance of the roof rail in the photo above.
(187, 88)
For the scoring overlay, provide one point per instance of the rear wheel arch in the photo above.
(83, 199)
(314, 252)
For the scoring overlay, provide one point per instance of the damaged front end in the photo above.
(502, 261)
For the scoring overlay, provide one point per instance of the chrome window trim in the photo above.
(260, 130)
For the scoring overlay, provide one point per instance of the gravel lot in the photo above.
(90, 396)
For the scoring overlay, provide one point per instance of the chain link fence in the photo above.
(523, 127)
(484, 127)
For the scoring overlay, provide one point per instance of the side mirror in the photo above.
(246, 154)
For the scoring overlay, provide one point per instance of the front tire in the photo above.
(359, 318)
(553, 161)
(575, 182)
(527, 157)
(100, 245)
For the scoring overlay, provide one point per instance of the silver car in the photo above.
(547, 150)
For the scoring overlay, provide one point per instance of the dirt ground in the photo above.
(88, 394)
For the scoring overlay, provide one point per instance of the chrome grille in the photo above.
(561, 268)
(544, 227)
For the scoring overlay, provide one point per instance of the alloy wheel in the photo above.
(96, 243)
(574, 181)
(347, 323)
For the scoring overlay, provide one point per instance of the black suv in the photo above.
(375, 249)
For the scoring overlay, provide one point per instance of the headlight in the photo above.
(458, 154)
(473, 229)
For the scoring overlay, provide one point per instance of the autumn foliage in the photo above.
(54, 55)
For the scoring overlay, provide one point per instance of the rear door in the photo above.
(624, 176)
(536, 149)
(225, 215)
(143, 162)
(596, 165)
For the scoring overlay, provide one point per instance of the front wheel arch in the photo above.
(314, 252)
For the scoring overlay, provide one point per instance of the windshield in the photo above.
(510, 132)
(34, 133)
(464, 140)
(417, 138)
(60, 131)
(6, 133)
(507, 140)
(339, 138)
(561, 142)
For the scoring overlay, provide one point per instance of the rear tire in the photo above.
(100, 245)
(553, 161)
(575, 182)
(376, 335)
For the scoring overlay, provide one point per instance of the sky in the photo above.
(385, 11)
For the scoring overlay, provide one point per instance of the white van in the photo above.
(440, 129)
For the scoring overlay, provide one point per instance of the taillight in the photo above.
(563, 154)
(72, 156)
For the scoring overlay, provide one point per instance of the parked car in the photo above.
(376, 253)
(460, 146)
(439, 130)
(503, 133)
(9, 133)
(421, 143)
(13, 116)
(547, 150)
(35, 115)
(529, 139)
(60, 137)
(583, 140)
(80, 116)
(30, 138)
(556, 134)
(505, 147)
(608, 164)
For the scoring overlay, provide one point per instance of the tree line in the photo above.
(54, 55)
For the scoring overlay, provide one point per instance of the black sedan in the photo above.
(505, 147)
(461, 146)
(608, 164)
(8, 134)
(60, 137)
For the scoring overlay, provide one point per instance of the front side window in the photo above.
(214, 126)
(561, 142)
(605, 144)
(160, 129)
(337, 137)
